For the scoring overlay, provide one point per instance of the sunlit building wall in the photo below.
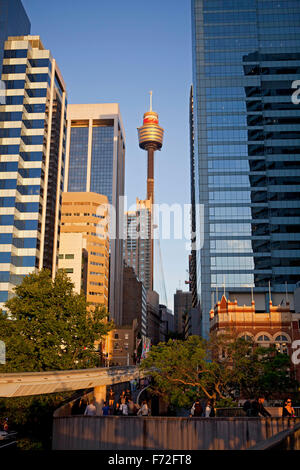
(32, 154)
(87, 214)
(95, 162)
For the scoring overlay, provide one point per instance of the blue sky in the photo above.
(117, 52)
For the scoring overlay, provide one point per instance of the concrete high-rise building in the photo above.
(138, 243)
(166, 322)
(247, 160)
(32, 152)
(182, 307)
(193, 255)
(73, 259)
(95, 162)
(86, 214)
(13, 22)
(134, 301)
(153, 317)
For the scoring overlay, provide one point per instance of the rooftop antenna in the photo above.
(270, 298)
(286, 293)
(224, 287)
(150, 100)
(252, 298)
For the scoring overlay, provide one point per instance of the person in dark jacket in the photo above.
(247, 407)
(196, 409)
(257, 408)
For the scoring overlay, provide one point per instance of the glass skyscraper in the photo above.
(13, 22)
(246, 56)
(95, 162)
(32, 152)
(137, 245)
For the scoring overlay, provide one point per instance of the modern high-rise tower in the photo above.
(13, 22)
(150, 139)
(95, 162)
(137, 246)
(86, 214)
(32, 153)
(246, 56)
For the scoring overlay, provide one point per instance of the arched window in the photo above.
(246, 338)
(281, 343)
(263, 339)
(282, 338)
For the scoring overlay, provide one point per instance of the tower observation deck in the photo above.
(150, 139)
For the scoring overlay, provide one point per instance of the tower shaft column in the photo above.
(150, 139)
(150, 174)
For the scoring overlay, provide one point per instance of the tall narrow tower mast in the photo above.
(150, 139)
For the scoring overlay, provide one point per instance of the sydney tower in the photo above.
(150, 139)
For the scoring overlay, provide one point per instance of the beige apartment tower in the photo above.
(95, 163)
(84, 252)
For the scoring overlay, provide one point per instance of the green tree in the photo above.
(46, 327)
(216, 369)
(49, 327)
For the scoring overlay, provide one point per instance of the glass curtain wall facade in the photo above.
(32, 152)
(95, 162)
(13, 22)
(102, 161)
(246, 56)
(137, 245)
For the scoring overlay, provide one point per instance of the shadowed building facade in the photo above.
(13, 22)
(32, 154)
(182, 307)
(246, 56)
(95, 162)
(134, 301)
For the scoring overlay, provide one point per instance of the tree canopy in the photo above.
(219, 368)
(49, 327)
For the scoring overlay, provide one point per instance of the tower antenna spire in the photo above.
(150, 139)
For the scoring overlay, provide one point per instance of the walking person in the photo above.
(131, 408)
(76, 407)
(247, 407)
(257, 408)
(144, 410)
(90, 409)
(105, 409)
(82, 405)
(209, 410)
(5, 425)
(111, 397)
(124, 409)
(287, 410)
(196, 410)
